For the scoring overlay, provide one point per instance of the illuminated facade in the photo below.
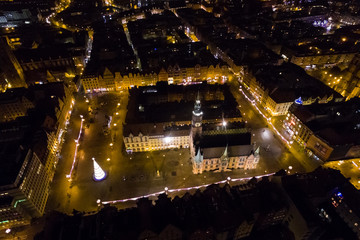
(13, 75)
(320, 60)
(328, 131)
(27, 194)
(13, 104)
(182, 125)
(226, 158)
(56, 129)
(211, 151)
(150, 137)
(300, 133)
(276, 88)
(173, 75)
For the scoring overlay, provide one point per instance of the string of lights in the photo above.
(267, 119)
(166, 190)
(76, 148)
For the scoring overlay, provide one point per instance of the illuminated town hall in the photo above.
(216, 136)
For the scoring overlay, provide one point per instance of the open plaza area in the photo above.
(131, 175)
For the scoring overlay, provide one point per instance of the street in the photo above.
(292, 156)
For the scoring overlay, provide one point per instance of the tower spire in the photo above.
(99, 174)
(226, 151)
(196, 123)
(197, 106)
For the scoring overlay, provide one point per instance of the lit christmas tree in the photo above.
(99, 174)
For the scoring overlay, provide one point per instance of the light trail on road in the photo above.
(76, 149)
(183, 189)
(268, 120)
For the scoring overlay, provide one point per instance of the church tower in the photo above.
(196, 123)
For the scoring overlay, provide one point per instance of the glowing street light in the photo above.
(115, 124)
(224, 123)
(117, 113)
(8, 230)
(111, 144)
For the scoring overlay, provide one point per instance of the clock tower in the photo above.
(197, 114)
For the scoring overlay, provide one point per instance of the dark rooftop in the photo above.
(338, 123)
(169, 103)
(288, 82)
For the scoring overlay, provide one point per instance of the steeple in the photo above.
(225, 154)
(197, 107)
(224, 159)
(198, 157)
(257, 152)
(196, 123)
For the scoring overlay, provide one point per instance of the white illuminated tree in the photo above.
(99, 174)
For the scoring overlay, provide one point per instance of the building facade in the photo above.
(109, 81)
(222, 159)
(14, 104)
(232, 149)
(26, 195)
(152, 137)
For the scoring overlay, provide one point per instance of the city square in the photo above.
(131, 175)
(174, 120)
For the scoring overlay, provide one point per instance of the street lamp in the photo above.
(8, 230)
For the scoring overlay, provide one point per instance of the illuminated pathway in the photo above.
(309, 166)
(166, 190)
(266, 118)
(126, 30)
(76, 148)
